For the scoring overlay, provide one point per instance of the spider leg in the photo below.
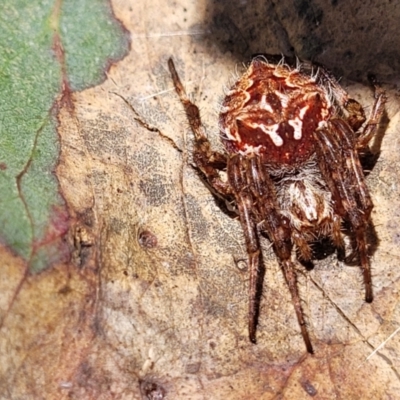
(356, 112)
(303, 247)
(278, 229)
(289, 270)
(341, 169)
(371, 126)
(253, 250)
(244, 201)
(256, 198)
(208, 161)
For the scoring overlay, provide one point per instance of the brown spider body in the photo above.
(271, 113)
(292, 159)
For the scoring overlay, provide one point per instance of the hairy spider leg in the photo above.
(341, 169)
(254, 190)
(244, 200)
(356, 209)
(208, 161)
(204, 158)
(372, 124)
(356, 114)
(277, 227)
(356, 117)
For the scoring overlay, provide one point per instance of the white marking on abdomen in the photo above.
(248, 149)
(303, 112)
(266, 106)
(283, 97)
(297, 123)
(297, 126)
(229, 135)
(271, 131)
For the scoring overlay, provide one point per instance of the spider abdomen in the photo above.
(273, 111)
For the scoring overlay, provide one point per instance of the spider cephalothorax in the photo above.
(292, 138)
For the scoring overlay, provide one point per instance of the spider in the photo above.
(293, 141)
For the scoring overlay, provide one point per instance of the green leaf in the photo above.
(33, 217)
(91, 40)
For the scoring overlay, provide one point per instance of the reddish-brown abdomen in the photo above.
(273, 111)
